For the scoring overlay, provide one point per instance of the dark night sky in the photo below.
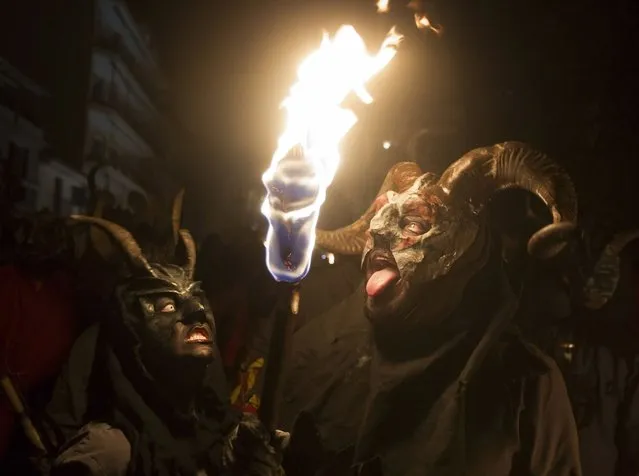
(559, 74)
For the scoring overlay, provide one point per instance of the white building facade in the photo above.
(21, 143)
(62, 189)
(123, 127)
(123, 122)
(45, 182)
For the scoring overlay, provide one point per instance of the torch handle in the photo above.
(16, 402)
(279, 351)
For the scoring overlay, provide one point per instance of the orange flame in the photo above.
(423, 22)
(315, 125)
(382, 6)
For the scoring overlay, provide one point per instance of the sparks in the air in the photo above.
(307, 154)
(422, 22)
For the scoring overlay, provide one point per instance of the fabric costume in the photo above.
(516, 416)
(604, 367)
(37, 328)
(111, 404)
(324, 287)
(429, 378)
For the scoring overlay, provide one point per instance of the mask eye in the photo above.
(414, 226)
(165, 305)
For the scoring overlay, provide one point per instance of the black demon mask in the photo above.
(163, 312)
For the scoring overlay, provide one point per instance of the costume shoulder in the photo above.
(548, 431)
(522, 359)
(68, 404)
(328, 373)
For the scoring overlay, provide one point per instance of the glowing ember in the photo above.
(307, 155)
(382, 6)
(423, 22)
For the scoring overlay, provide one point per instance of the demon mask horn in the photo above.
(350, 240)
(176, 215)
(604, 279)
(473, 179)
(100, 201)
(104, 234)
(99, 238)
(121, 238)
(182, 239)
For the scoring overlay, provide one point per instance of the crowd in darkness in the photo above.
(587, 300)
(581, 309)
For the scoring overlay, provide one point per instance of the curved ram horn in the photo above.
(603, 281)
(483, 171)
(176, 215)
(123, 239)
(350, 240)
(621, 240)
(190, 252)
(97, 236)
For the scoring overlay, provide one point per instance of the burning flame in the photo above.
(307, 154)
(423, 22)
(382, 6)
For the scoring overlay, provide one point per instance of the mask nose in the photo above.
(194, 312)
(381, 239)
(382, 224)
(377, 240)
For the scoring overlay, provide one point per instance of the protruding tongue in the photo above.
(380, 280)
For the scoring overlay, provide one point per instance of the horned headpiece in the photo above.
(118, 235)
(473, 179)
(604, 278)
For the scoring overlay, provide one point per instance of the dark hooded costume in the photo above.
(430, 378)
(602, 368)
(143, 393)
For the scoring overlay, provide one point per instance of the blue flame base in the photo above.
(294, 196)
(288, 256)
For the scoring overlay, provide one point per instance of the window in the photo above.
(98, 149)
(31, 198)
(99, 89)
(24, 166)
(57, 195)
(78, 196)
(18, 161)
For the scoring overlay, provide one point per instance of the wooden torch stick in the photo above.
(18, 407)
(279, 351)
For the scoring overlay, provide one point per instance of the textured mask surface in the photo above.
(425, 234)
(152, 308)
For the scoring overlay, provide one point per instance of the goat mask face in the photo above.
(415, 239)
(424, 238)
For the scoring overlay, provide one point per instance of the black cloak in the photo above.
(478, 400)
(96, 386)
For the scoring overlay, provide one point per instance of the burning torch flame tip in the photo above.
(382, 6)
(316, 123)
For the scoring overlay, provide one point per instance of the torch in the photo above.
(18, 405)
(302, 168)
